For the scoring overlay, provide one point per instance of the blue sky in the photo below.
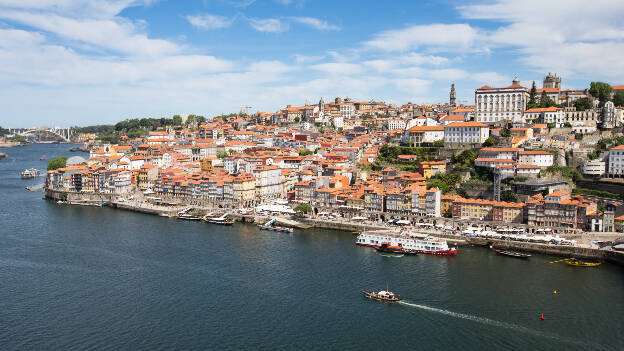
(82, 62)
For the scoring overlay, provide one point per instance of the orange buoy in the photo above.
(542, 317)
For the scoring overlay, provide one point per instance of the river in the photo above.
(75, 277)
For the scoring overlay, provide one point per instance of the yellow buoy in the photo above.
(555, 292)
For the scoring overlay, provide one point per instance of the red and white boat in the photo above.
(408, 244)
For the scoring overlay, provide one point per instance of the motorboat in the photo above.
(386, 247)
(383, 295)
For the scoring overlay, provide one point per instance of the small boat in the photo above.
(578, 263)
(511, 253)
(219, 220)
(189, 217)
(386, 247)
(42, 158)
(383, 295)
(30, 173)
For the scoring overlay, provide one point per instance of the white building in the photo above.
(466, 132)
(395, 123)
(269, 184)
(594, 167)
(347, 110)
(120, 182)
(616, 161)
(423, 134)
(497, 104)
(541, 159)
(555, 115)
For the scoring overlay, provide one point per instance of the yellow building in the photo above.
(244, 189)
(446, 204)
(430, 168)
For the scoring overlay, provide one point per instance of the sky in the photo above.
(85, 62)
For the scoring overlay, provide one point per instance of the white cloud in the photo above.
(115, 34)
(270, 25)
(443, 37)
(301, 59)
(208, 21)
(572, 37)
(315, 23)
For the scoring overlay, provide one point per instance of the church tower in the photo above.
(552, 82)
(321, 105)
(453, 99)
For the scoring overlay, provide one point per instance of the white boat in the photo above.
(407, 244)
(30, 173)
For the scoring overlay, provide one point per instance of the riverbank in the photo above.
(583, 250)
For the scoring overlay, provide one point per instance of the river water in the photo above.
(74, 277)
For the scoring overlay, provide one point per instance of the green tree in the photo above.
(200, 119)
(177, 120)
(509, 196)
(464, 160)
(505, 133)
(532, 97)
(56, 163)
(550, 125)
(297, 119)
(567, 125)
(488, 142)
(618, 98)
(578, 136)
(583, 104)
(303, 208)
(438, 143)
(305, 152)
(601, 91)
(222, 154)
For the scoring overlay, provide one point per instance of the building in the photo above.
(423, 134)
(594, 168)
(452, 97)
(466, 132)
(542, 159)
(550, 115)
(498, 104)
(616, 161)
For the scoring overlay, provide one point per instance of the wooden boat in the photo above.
(383, 295)
(512, 253)
(578, 263)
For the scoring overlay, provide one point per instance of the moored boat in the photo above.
(386, 247)
(512, 253)
(579, 263)
(408, 243)
(219, 220)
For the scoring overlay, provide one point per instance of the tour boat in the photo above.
(219, 220)
(383, 295)
(30, 173)
(188, 216)
(511, 253)
(409, 244)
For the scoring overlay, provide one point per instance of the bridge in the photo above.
(62, 133)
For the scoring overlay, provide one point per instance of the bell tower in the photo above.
(453, 100)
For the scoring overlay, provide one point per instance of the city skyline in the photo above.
(78, 64)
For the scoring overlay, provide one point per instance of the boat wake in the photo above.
(500, 324)
(392, 255)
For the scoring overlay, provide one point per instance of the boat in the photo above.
(30, 173)
(386, 247)
(579, 263)
(409, 243)
(512, 253)
(383, 295)
(219, 220)
(41, 158)
(269, 226)
(189, 217)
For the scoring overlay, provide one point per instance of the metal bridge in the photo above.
(62, 133)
